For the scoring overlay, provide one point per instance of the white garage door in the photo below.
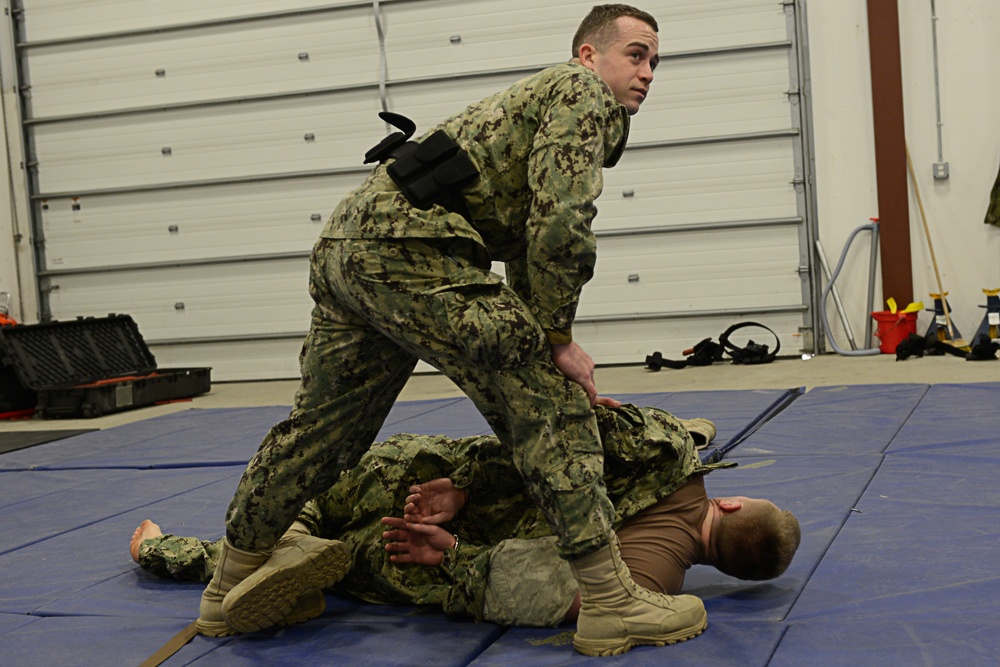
(184, 157)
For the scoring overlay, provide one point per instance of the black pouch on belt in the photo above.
(433, 172)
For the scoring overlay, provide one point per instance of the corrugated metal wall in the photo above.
(184, 158)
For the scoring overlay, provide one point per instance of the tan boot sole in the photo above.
(214, 628)
(266, 599)
(617, 646)
(308, 607)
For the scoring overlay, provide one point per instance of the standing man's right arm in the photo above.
(581, 127)
(574, 362)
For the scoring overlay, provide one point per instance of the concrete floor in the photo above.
(829, 369)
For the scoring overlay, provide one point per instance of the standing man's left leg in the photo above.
(351, 375)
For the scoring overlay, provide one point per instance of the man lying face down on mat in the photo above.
(497, 560)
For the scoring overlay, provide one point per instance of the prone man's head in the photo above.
(753, 538)
(620, 44)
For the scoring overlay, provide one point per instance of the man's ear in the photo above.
(730, 504)
(587, 53)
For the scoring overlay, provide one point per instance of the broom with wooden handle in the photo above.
(930, 246)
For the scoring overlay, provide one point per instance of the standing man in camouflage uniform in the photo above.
(495, 559)
(395, 282)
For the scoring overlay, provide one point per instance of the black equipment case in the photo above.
(91, 366)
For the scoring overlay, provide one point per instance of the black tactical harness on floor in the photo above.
(981, 349)
(708, 351)
(431, 172)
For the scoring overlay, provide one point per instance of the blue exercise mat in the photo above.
(861, 419)
(99, 495)
(393, 642)
(84, 542)
(19, 486)
(922, 547)
(9, 622)
(454, 417)
(888, 642)
(189, 438)
(960, 419)
(912, 578)
(894, 487)
(99, 640)
(739, 644)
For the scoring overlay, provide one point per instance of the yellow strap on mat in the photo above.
(172, 646)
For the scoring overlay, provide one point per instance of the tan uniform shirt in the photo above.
(661, 542)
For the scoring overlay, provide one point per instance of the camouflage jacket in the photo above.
(648, 456)
(539, 147)
(993, 210)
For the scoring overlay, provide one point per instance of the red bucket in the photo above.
(893, 328)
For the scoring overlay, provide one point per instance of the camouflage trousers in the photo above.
(380, 305)
(528, 583)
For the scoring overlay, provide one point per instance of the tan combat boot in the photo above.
(308, 607)
(616, 614)
(702, 430)
(300, 565)
(233, 567)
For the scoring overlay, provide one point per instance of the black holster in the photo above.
(431, 172)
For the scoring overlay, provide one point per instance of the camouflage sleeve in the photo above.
(498, 504)
(648, 454)
(467, 569)
(565, 177)
(184, 558)
(378, 486)
(516, 272)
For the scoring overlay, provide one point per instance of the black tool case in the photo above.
(91, 366)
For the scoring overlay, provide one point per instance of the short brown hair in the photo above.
(599, 28)
(757, 542)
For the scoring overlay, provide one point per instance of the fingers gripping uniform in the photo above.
(393, 284)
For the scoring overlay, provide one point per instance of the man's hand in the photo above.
(577, 365)
(433, 502)
(416, 542)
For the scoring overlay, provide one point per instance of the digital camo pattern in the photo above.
(649, 456)
(185, 558)
(528, 584)
(393, 284)
(370, 325)
(993, 212)
(539, 147)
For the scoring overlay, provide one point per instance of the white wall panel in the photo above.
(206, 185)
(693, 25)
(488, 35)
(219, 222)
(733, 93)
(748, 180)
(245, 59)
(67, 19)
(234, 141)
(703, 271)
(220, 142)
(227, 300)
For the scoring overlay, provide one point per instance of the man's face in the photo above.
(626, 64)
